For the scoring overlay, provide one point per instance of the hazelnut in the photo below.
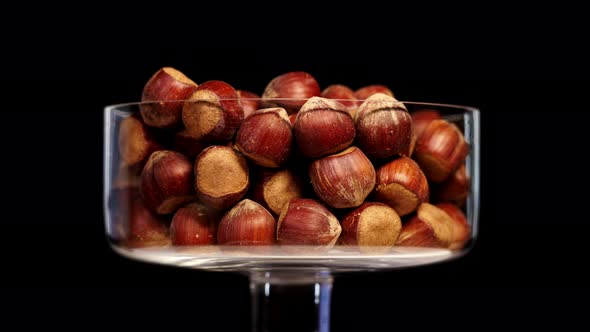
(136, 142)
(187, 145)
(146, 229)
(166, 180)
(440, 150)
(250, 102)
(292, 85)
(266, 137)
(213, 112)
(421, 119)
(246, 224)
(367, 91)
(167, 84)
(305, 222)
(343, 180)
(322, 127)
(454, 189)
(412, 146)
(461, 228)
(402, 185)
(371, 225)
(344, 95)
(221, 176)
(383, 127)
(194, 224)
(126, 177)
(274, 189)
(431, 227)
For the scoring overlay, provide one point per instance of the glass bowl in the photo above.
(269, 266)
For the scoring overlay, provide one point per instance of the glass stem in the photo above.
(291, 301)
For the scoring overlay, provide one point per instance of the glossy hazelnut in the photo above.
(126, 177)
(454, 189)
(250, 102)
(187, 145)
(273, 189)
(221, 176)
(440, 150)
(343, 180)
(306, 222)
(145, 229)
(266, 137)
(461, 228)
(421, 119)
(344, 94)
(373, 227)
(383, 127)
(167, 84)
(367, 91)
(323, 126)
(212, 112)
(136, 143)
(401, 185)
(247, 224)
(166, 181)
(194, 224)
(300, 85)
(431, 227)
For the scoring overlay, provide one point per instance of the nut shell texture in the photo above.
(323, 126)
(266, 137)
(383, 126)
(343, 180)
(305, 221)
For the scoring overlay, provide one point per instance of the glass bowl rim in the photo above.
(112, 107)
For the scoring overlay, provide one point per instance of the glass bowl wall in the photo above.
(272, 258)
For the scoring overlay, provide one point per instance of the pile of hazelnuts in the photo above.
(205, 164)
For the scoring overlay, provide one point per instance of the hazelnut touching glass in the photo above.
(194, 224)
(146, 229)
(166, 84)
(383, 127)
(344, 95)
(213, 112)
(461, 228)
(455, 188)
(323, 126)
(266, 137)
(136, 142)
(421, 119)
(431, 227)
(305, 221)
(250, 102)
(221, 176)
(402, 185)
(247, 223)
(440, 150)
(166, 180)
(369, 90)
(273, 189)
(294, 85)
(343, 180)
(371, 225)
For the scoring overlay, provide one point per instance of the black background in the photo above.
(523, 68)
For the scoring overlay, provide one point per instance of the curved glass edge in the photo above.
(340, 259)
(109, 134)
(332, 261)
(110, 108)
